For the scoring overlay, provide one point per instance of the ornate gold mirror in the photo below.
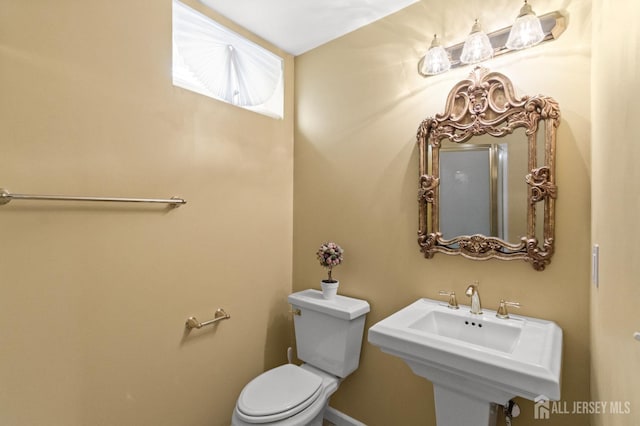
(487, 173)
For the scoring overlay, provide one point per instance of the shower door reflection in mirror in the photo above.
(482, 187)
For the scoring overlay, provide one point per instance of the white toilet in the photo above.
(328, 338)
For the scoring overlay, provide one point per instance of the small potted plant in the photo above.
(329, 255)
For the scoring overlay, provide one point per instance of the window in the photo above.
(214, 61)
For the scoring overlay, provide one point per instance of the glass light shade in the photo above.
(477, 47)
(526, 30)
(436, 60)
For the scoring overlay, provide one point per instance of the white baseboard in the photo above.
(340, 419)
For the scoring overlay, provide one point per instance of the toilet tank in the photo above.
(329, 332)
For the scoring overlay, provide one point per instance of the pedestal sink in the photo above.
(475, 362)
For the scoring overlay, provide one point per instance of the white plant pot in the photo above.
(329, 290)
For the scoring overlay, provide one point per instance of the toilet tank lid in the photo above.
(343, 307)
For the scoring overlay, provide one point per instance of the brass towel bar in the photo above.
(220, 315)
(6, 197)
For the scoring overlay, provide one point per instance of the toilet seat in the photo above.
(278, 394)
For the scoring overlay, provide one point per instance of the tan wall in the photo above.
(93, 298)
(615, 205)
(359, 101)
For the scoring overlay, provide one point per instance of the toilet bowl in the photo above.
(288, 395)
(329, 337)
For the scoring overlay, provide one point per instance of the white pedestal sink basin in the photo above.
(474, 361)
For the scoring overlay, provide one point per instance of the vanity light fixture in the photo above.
(477, 47)
(436, 60)
(526, 30)
(553, 24)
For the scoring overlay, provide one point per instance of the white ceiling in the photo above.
(297, 26)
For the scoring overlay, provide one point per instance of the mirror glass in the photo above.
(487, 173)
(485, 177)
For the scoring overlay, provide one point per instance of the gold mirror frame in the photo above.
(486, 103)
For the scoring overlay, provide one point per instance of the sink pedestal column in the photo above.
(455, 409)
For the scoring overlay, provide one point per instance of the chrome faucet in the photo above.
(472, 292)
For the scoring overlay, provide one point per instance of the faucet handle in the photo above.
(453, 302)
(502, 309)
